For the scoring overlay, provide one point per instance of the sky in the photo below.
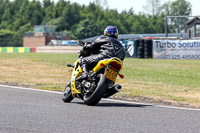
(138, 5)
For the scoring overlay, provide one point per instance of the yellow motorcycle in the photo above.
(99, 84)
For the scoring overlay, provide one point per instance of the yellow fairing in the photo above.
(76, 73)
(106, 62)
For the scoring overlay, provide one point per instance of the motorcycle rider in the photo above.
(106, 46)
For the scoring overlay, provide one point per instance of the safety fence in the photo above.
(17, 50)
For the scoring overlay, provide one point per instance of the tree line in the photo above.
(81, 21)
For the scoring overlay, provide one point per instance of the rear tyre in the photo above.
(67, 97)
(94, 98)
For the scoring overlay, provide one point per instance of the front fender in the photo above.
(77, 71)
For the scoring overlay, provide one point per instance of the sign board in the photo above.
(176, 49)
(130, 47)
(169, 21)
(64, 42)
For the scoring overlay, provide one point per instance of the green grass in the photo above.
(176, 81)
(172, 72)
(53, 58)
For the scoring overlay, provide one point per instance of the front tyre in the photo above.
(93, 98)
(67, 97)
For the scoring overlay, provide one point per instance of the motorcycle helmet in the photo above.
(111, 31)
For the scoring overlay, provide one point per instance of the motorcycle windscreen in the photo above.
(111, 74)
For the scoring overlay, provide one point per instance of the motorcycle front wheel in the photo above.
(93, 98)
(67, 96)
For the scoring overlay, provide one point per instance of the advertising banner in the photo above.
(176, 49)
(63, 42)
(130, 47)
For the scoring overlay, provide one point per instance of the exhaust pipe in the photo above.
(118, 87)
(112, 91)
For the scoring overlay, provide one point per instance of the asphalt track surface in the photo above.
(31, 111)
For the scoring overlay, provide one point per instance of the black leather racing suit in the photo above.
(102, 48)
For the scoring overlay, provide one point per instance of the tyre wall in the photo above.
(145, 49)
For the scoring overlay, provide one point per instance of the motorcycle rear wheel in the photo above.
(94, 98)
(67, 96)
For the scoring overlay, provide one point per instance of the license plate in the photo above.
(111, 74)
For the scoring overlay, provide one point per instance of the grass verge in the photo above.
(174, 82)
